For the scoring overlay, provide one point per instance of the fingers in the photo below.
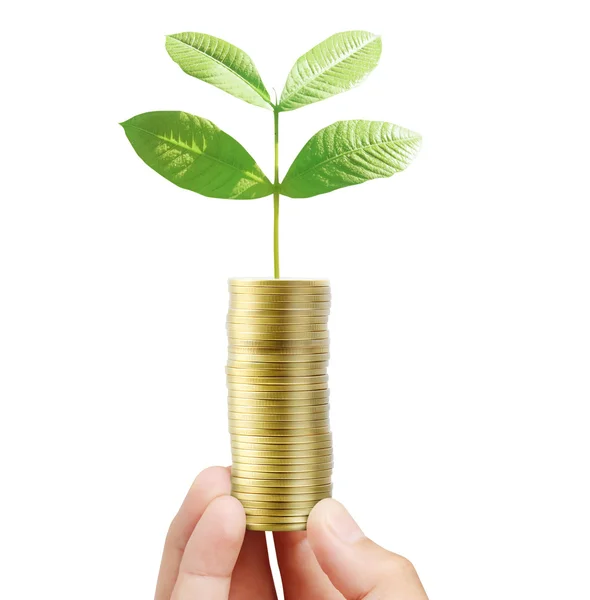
(252, 577)
(358, 567)
(301, 574)
(211, 552)
(210, 484)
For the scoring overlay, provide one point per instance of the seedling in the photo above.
(195, 154)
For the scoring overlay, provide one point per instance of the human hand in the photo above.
(208, 555)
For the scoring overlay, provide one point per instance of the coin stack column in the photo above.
(278, 399)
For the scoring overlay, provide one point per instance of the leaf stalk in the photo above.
(276, 195)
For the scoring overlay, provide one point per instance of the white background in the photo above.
(460, 328)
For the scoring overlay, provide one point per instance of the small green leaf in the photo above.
(219, 63)
(196, 155)
(347, 153)
(334, 66)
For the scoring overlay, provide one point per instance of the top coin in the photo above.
(286, 282)
(278, 297)
(267, 289)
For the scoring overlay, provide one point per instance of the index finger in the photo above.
(209, 484)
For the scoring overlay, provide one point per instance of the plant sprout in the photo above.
(194, 154)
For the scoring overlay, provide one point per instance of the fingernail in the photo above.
(342, 525)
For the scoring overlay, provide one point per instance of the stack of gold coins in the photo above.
(278, 399)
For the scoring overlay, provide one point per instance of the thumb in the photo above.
(358, 567)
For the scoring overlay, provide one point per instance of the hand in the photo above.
(208, 555)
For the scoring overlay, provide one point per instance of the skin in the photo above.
(209, 555)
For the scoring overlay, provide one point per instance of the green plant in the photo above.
(196, 155)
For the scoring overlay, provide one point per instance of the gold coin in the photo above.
(264, 424)
(281, 450)
(287, 492)
(292, 380)
(294, 487)
(272, 505)
(281, 306)
(236, 295)
(302, 288)
(300, 443)
(280, 481)
(280, 460)
(257, 421)
(274, 340)
(279, 416)
(285, 398)
(288, 366)
(302, 449)
(250, 423)
(283, 475)
(278, 358)
(275, 527)
(245, 387)
(279, 376)
(272, 373)
(264, 290)
(297, 403)
(294, 459)
(296, 439)
(274, 361)
(280, 315)
(279, 409)
(234, 335)
(240, 470)
(291, 458)
(278, 512)
(247, 431)
(269, 515)
(293, 392)
(247, 467)
(281, 319)
(276, 519)
(321, 348)
(285, 458)
(272, 357)
(305, 507)
(300, 294)
(269, 328)
(280, 346)
(266, 492)
(288, 380)
(288, 342)
(263, 465)
(280, 312)
(282, 282)
(282, 394)
(245, 404)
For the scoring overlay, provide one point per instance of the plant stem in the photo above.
(276, 196)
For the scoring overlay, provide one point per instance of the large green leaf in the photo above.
(196, 155)
(336, 65)
(347, 153)
(219, 63)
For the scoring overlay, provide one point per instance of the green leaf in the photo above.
(196, 155)
(334, 66)
(219, 63)
(347, 153)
